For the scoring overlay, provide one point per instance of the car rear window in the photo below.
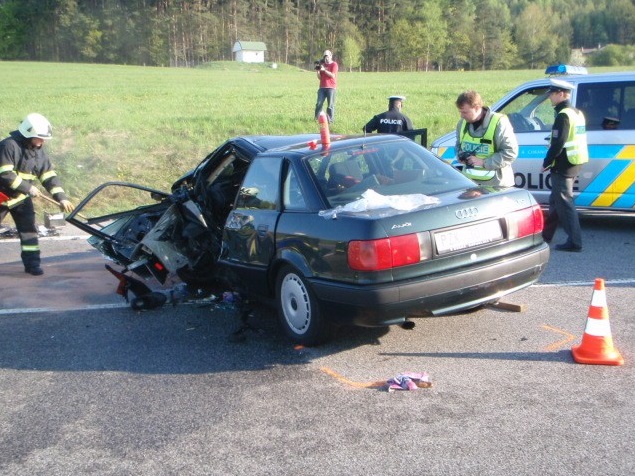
(389, 168)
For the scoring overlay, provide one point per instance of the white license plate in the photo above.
(468, 237)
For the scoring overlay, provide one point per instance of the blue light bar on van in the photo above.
(555, 69)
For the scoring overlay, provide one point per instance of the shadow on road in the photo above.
(71, 280)
(172, 340)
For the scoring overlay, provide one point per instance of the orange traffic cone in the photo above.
(597, 343)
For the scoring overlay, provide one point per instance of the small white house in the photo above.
(249, 51)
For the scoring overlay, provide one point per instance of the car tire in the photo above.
(298, 309)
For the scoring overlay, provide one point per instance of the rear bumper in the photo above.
(390, 303)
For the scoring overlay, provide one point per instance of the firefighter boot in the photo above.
(35, 271)
(31, 260)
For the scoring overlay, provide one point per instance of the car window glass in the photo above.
(531, 111)
(260, 187)
(389, 168)
(628, 119)
(607, 105)
(293, 198)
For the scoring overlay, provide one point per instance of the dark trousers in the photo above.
(23, 215)
(562, 211)
(328, 95)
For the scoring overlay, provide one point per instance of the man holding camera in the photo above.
(485, 142)
(326, 70)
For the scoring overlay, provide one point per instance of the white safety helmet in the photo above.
(36, 125)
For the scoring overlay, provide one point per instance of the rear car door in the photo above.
(249, 232)
(608, 179)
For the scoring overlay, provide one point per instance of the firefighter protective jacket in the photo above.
(20, 165)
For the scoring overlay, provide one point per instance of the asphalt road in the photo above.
(89, 386)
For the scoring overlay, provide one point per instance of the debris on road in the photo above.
(508, 306)
(409, 381)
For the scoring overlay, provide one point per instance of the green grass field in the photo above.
(150, 125)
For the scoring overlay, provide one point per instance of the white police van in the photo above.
(607, 181)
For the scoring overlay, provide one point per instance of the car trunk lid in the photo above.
(451, 234)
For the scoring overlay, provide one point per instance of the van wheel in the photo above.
(298, 309)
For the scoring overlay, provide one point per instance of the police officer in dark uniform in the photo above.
(22, 160)
(392, 121)
(567, 152)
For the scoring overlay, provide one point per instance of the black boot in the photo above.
(34, 270)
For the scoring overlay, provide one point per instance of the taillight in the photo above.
(158, 270)
(539, 218)
(527, 221)
(386, 253)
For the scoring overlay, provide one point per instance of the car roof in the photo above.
(276, 142)
(583, 78)
(301, 143)
(571, 78)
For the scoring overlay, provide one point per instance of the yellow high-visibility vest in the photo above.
(480, 147)
(576, 144)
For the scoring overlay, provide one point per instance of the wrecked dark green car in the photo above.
(364, 231)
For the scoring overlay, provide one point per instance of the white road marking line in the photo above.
(585, 283)
(72, 309)
(47, 238)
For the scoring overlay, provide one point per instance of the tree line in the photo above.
(382, 35)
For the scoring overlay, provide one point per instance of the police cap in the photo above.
(556, 85)
(397, 98)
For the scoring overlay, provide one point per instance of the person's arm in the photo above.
(457, 144)
(371, 125)
(331, 72)
(8, 175)
(506, 146)
(408, 124)
(326, 72)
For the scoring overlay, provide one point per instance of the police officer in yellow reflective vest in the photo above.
(565, 156)
(22, 160)
(485, 142)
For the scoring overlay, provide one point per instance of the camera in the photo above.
(318, 64)
(462, 156)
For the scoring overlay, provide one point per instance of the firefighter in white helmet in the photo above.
(22, 160)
